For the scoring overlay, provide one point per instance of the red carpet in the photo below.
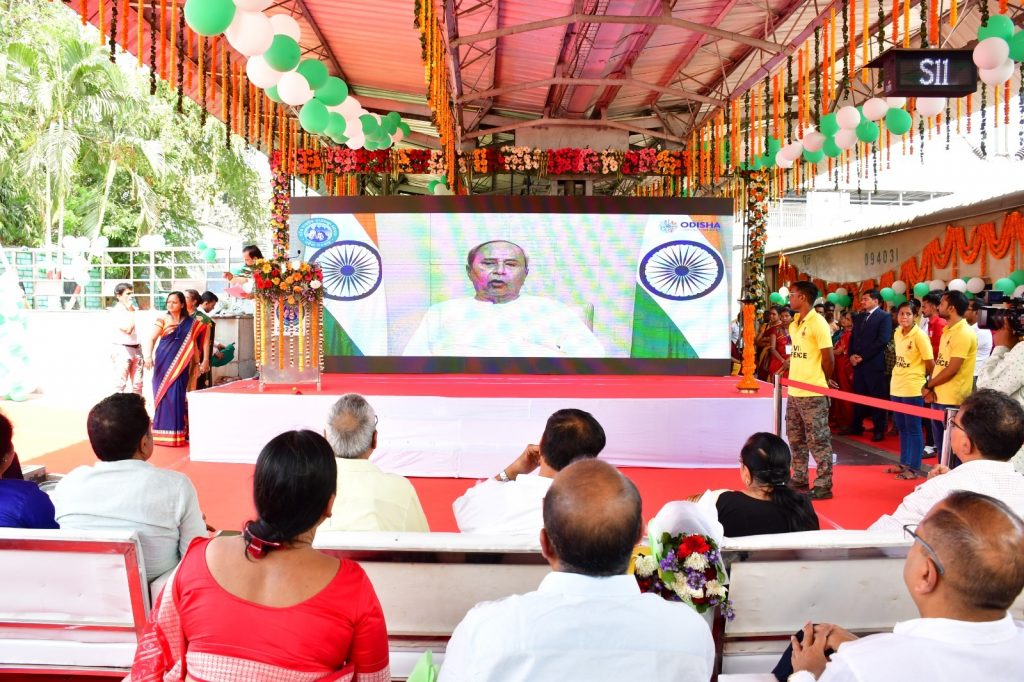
(863, 493)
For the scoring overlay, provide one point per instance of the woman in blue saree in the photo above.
(174, 340)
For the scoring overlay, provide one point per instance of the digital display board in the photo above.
(927, 73)
(520, 284)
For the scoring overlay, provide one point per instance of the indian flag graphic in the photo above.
(356, 310)
(681, 305)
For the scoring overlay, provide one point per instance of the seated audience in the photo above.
(124, 491)
(510, 503)
(368, 498)
(963, 572)
(767, 504)
(986, 433)
(266, 605)
(22, 503)
(588, 619)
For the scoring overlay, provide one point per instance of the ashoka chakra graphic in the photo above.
(681, 270)
(352, 270)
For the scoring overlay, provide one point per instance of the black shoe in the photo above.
(821, 494)
(877, 437)
(849, 431)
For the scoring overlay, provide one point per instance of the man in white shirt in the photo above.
(964, 570)
(588, 619)
(984, 337)
(124, 491)
(986, 433)
(126, 354)
(499, 322)
(510, 503)
(367, 499)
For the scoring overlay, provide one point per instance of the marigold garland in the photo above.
(280, 211)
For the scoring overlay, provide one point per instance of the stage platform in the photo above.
(473, 425)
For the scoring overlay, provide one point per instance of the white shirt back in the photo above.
(984, 347)
(512, 508)
(134, 495)
(576, 627)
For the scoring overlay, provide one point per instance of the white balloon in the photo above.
(283, 24)
(398, 136)
(780, 160)
(813, 141)
(82, 243)
(957, 285)
(353, 144)
(930, 106)
(848, 118)
(875, 108)
(68, 242)
(792, 151)
(349, 107)
(846, 138)
(159, 241)
(294, 89)
(784, 291)
(99, 244)
(998, 75)
(357, 139)
(991, 52)
(896, 102)
(443, 191)
(1018, 292)
(975, 285)
(260, 74)
(841, 291)
(936, 285)
(252, 5)
(250, 33)
(899, 286)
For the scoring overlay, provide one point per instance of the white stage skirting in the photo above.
(475, 436)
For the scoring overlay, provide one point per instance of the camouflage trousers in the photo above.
(808, 433)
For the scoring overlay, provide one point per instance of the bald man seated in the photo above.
(588, 620)
(498, 321)
(963, 572)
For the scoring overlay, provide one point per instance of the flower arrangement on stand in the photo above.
(756, 218)
(288, 320)
(685, 568)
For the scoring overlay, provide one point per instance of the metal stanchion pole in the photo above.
(777, 403)
(947, 447)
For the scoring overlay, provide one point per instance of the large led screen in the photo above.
(520, 284)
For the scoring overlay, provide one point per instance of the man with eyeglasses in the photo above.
(963, 572)
(367, 499)
(986, 433)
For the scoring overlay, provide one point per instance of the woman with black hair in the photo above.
(766, 505)
(265, 604)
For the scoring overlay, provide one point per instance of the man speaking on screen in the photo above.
(499, 321)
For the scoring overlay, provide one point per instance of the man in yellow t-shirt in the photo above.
(810, 362)
(954, 365)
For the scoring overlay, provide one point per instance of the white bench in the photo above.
(71, 601)
(426, 582)
(779, 582)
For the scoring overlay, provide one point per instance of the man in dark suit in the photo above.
(872, 331)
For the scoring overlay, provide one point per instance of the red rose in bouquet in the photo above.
(693, 544)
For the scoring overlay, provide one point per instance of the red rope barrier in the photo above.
(937, 415)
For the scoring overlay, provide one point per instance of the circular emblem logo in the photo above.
(317, 233)
(352, 270)
(681, 270)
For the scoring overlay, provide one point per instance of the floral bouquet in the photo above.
(295, 281)
(681, 565)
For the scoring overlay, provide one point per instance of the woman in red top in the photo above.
(266, 605)
(841, 411)
(765, 342)
(778, 352)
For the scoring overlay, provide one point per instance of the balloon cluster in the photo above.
(997, 49)
(275, 64)
(152, 242)
(206, 252)
(439, 187)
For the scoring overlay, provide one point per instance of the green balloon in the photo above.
(900, 298)
(370, 146)
(846, 301)
(867, 131)
(369, 124)
(314, 71)
(830, 148)
(333, 92)
(998, 26)
(887, 294)
(314, 117)
(209, 17)
(774, 145)
(833, 298)
(1017, 276)
(272, 94)
(921, 289)
(200, 245)
(813, 157)
(404, 127)
(210, 255)
(898, 121)
(1005, 285)
(828, 126)
(388, 124)
(1017, 46)
(776, 297)
(335, 125)
(284, 53)
(969, 295)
